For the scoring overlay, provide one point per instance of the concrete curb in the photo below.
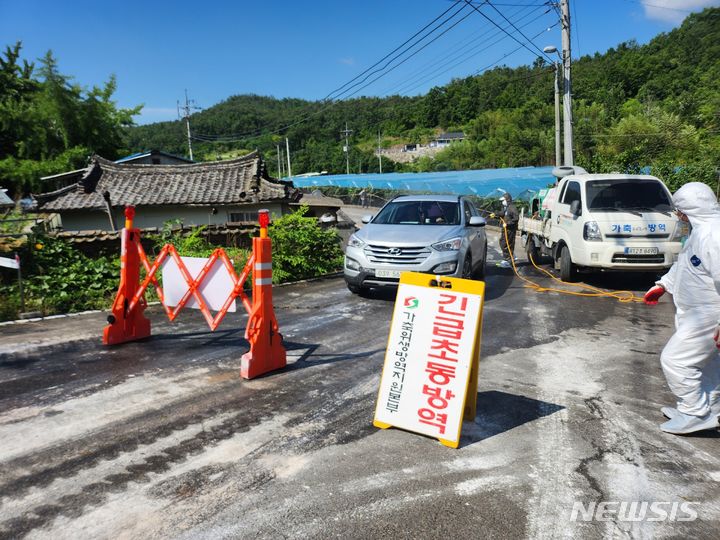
(93, 311)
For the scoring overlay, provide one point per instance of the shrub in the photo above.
(303, 249)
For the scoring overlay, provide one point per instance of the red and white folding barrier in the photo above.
(127, 322)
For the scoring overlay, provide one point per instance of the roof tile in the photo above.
(236, 181)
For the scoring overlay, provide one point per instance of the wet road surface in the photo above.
(162, 438)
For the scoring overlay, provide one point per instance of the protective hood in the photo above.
(698, 202)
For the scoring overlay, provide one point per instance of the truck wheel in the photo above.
(533, 253)
(568, 271)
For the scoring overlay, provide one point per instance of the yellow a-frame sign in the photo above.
(430, 375)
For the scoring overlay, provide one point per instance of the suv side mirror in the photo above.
(575, 208)
(366, 218)
(477, 221)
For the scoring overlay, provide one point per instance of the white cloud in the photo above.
(347, 61)
(674, 11)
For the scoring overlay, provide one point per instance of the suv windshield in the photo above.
(618, 195)
(419, 213)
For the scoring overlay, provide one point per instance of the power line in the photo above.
(577, 28)
(409, 57)
(518, 30)
(415, 83)
(462, 48)
(659, 7)
(485, 68)
(468, 2)
(456, 3)
(240, 137)
(237, 137)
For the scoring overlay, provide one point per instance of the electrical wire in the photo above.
(238, 137)
(482, 69)
(461, 56)
(389, 62)
(509, 34)
(643, 3)
(241, 137)
(455, 3)
(576, 31)
(542, 53)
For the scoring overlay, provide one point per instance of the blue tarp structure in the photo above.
(519, 181)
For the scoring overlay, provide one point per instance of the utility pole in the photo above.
(558, 154)
(379, 155)
(567, 88)
(346, 132)
(278, 159)
(189, 105)
(287, 145)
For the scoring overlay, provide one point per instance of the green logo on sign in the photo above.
(412, 302)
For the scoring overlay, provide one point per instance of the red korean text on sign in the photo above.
(441, 362)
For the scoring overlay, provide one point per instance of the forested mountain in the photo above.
(657, 104)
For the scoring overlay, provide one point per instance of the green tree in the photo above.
(49, 124)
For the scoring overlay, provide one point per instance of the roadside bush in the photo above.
(303, 249)
(57, 278)
(66, 280)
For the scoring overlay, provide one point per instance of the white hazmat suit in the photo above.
(690, 360)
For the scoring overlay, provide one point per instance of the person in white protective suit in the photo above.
(691, 358)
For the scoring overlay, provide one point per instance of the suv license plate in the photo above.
(641, 251)
(388, 273)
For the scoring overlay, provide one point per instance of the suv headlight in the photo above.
(355, 242)
(448, 245)
(682, 229)
(352, 264)
(591, 232)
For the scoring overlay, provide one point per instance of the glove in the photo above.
(716, 336)
(653, 295)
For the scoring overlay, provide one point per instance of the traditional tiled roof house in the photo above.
(211, 193)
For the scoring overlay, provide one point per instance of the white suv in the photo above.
(435, 234)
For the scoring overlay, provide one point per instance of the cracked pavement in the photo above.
(162, 438)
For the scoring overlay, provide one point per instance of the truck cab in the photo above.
(606, 222)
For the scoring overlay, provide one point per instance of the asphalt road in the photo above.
(162, 439)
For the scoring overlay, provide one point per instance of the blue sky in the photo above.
(304, 49)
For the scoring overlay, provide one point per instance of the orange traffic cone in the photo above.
(123, 325)
(267, 352)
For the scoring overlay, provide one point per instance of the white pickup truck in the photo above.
(603, 222)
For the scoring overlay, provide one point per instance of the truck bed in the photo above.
(533, 226)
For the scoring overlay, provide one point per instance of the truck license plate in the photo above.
(388, 273)
(641, 251)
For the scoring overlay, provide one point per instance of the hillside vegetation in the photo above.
(654, 105)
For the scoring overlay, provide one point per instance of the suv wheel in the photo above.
(467, 267)
(356, 289)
